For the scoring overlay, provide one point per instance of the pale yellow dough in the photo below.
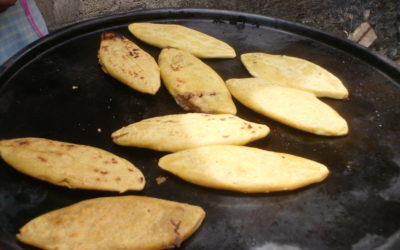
(194, 85)
(71, 165)
(296, 73)
(124, 222)
(296, 108)
(181, 37)
(243, 169)
(128, 63)
(182, 131)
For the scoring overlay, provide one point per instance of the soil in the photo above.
(338, 17)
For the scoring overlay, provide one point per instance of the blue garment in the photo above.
(20, 25)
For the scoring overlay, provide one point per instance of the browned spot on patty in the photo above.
(68, 146)
(120, 135)
(170, 121)
(41, 158)
(22, 142)
(180, 80)
(177, 240)
(58, 221)
(134, 53)
(176, 67)
(184, 101)
(73, 235)
(111, 36)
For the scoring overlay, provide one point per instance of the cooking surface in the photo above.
(57, 90)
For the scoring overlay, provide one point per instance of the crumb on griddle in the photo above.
(161, 179)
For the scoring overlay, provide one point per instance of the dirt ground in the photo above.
(338, 17)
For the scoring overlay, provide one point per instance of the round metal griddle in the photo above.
(55, 89)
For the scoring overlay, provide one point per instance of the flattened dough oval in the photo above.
(181, 37)
(71, 165)
(124, 222)
(194, 85)
(182, 131)
(296, 73)
(243, 169)
(128, 63)
(293, 107)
